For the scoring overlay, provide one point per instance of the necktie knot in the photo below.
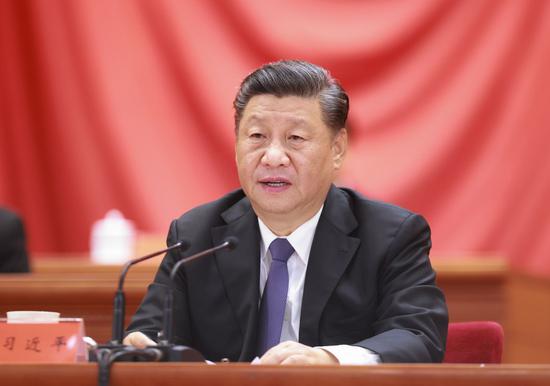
(281, 250)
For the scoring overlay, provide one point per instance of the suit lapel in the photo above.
(331, 252)
(240, 269)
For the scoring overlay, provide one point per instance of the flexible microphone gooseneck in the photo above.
(120, 299)
(106, 355)
(166, 336)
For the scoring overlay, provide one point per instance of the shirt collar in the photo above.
(301, 239)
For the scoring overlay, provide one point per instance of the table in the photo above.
(168, 374)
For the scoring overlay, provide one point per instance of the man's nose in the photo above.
(275, 155)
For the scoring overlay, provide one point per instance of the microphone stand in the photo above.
(106, 355)
(166, 351)
(119, 306)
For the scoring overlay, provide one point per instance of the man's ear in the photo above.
(339, 148)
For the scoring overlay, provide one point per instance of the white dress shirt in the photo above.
(301, 240)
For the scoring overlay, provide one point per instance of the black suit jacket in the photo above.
(13, 249)
(368, 282)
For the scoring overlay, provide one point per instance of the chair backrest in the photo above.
(474, 342)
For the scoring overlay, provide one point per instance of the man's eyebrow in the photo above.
(253, 119)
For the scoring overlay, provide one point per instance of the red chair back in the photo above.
(474, 342)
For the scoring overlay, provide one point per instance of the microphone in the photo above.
(106, 355)
(120, 299)
(166, 336)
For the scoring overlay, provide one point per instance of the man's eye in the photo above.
(295, 138)
(256, 136)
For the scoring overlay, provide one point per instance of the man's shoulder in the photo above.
(359, 203)
(374, 215)
(382, 227)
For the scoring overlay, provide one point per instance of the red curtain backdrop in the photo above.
(127, 104)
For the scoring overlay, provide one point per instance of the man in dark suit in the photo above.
(13, 250)
(321, 274)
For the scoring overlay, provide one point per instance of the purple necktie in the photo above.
(272, 307)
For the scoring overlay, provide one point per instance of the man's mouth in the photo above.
(274, 182)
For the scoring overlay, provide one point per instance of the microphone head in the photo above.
(232, 242)
(184, 244)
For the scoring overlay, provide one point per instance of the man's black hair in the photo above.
(296, 78)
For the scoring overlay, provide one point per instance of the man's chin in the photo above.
(276, 210)
(273, 207)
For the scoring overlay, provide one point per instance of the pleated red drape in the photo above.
(127, 104)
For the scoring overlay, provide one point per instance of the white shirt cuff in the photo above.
(352, 355)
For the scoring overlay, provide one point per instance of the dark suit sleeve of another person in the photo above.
(411, 314)
(13, 250)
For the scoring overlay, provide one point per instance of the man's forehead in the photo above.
(259, 117)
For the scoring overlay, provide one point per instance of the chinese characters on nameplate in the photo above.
(43, 342)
